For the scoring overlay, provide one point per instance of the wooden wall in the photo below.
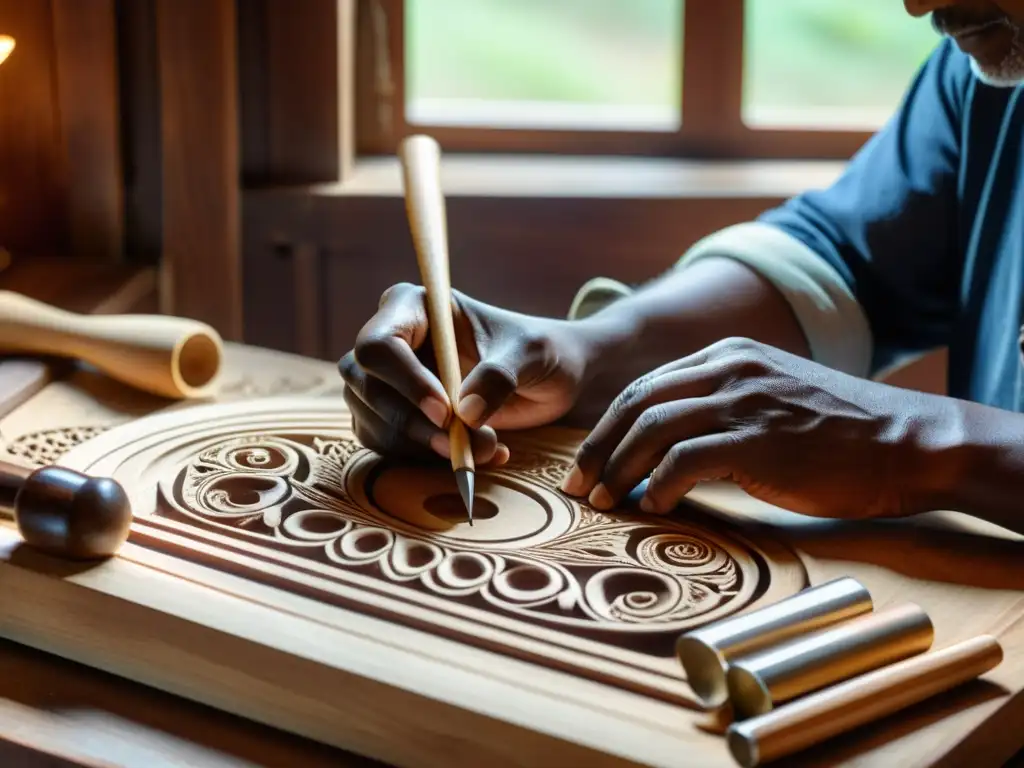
(116, 143)
(33, 180)
(60, 160)
(316, 265)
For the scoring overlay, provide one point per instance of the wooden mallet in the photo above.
(66, 513)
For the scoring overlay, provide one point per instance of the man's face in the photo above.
(991, 32)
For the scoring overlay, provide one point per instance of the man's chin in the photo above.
(998, 77)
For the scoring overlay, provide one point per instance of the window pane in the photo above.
(544, 63)
(830, 63)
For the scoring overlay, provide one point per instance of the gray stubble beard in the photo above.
(1009, 73)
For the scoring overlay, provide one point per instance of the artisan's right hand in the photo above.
(519, 371)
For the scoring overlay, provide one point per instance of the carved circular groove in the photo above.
(449, 506)
(366, 544)
(315, 525)
(509, 514)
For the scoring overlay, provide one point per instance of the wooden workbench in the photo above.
(55, 712)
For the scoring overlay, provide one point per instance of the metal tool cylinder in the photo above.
(760, 682)
(705, 653)
(819, 716)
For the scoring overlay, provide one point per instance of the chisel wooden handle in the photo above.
(168, 356)
(421, 168)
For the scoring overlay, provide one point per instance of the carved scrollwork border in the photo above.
(605, 572)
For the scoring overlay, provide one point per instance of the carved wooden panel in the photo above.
(279, 572)
(280, 492)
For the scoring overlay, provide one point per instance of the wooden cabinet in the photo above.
(316, 260)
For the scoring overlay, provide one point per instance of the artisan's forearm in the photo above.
(681, 313)
(979, 464)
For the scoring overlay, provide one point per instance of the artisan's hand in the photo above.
(518, 371)
(788, 431)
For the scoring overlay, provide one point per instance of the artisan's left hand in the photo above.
(788, 431)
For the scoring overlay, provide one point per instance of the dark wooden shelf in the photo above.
(81, 286)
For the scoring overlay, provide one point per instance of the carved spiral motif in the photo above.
(681, 553)
(269, 457)
(240, 495)
(604, 573)
(633, 595)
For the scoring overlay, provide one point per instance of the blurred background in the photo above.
(619, 62)
(255, 166)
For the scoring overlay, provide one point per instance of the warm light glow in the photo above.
(6, 46)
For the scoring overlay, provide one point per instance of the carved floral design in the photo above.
(49, 445)
(606, 572)
(547, 470)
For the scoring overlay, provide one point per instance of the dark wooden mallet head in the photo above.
(66, 513)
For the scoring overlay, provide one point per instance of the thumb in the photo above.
(491, 382)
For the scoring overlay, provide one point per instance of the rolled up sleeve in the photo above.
(871, 265)
(833, 323)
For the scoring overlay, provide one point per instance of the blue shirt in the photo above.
(926, 226)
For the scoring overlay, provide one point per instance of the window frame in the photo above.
(713, 128)
(274, 118)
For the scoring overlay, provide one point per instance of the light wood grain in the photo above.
(499, 685)
(77, 286)
(421, 170)
(60, 713)
(85, 43)
(72, 404)
(20, 380)
(169, 356)
(56, 713)
(233, 635)
(33, 181)
(201, 261)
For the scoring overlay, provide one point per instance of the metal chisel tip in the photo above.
(464, 479)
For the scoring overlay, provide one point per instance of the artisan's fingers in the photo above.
(644, 446)
(516, 356)
(487, 451)
(495, 379)
(384, 438)
(484, 442)
(718, 359)
(396, 413)
(700, 357)
(385, 349)
(638, 398)
(705, 458)
(386, 423)
(484, 391)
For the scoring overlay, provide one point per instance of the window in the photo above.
(579, 64)
(836, 64)
(697, 78)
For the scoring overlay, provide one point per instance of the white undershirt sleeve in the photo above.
(832, 320)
